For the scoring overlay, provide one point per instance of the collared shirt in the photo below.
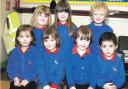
(112, 59)
(74, 51)
(55, 51)
(66, 24)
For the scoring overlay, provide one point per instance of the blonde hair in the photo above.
(99, 5)
(39, 10)
(64, 6)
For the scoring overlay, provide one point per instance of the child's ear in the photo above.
(115, 47)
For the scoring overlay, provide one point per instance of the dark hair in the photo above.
(24, 28)
(85, 32)
(108, 36)
(50, 30)
(64, 6)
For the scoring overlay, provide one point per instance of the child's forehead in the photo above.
(108, 42)
(25, 32)
(99, 9)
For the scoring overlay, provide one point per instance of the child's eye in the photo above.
(104, 46)
(28, 36)
(21, 36)
(111, 45)
(95, 14)
(101, 14)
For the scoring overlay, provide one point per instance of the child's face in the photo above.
(82, 43)
(50, 43)
(108, 48)
(24, 38)
(63, 16)
(42, 19)
(98, 16)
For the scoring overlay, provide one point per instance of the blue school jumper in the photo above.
(54, 66)
(110, 71)
(97, 31)
(23, 65)
(67, 41)
(38, 33)
(81, 70)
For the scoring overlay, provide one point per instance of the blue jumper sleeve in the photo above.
(11, 66)
(69, 73)
(119, 81)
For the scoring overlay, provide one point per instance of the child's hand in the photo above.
(113, 87)
(90, 88)
(46, 87)
(53, 88)
(107, 85)
(24, 82)
(73, 87)
(17, 81)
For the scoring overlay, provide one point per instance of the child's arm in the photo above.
(119, 81)
(69, 73)
(11, 66)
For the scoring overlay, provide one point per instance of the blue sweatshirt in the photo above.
(97, 31)
(54, 66)
(67, 41)
(23, 65)
(38, 33)
(81, 70)
(110, 71)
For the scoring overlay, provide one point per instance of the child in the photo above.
(52, 58)
(80, 62)
(64, 24)
(22, 61)
(99, 13)
(41, 18)
(111, 74)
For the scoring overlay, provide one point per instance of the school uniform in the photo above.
(97, 31)
(23, 65)
(67, 41)
(54, 66)
(81, 70)
(110, 71)
(38, 33)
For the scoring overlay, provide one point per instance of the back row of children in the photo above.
(87, 55)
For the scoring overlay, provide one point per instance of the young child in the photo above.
(22, 61)
(80, 62)
(40, 20)
(64, 24)
(99, 13)
(111, 73)
(52, 58)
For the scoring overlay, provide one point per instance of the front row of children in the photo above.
(28, 67)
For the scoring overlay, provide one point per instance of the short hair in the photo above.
(108, 36)
(85, 31)
(25, 28)
(99, 5)
(39, 10)
(51, 31)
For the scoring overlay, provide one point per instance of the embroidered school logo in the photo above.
(29, 62)
(56, 61)
(114, 69)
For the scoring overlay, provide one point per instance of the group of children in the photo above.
(46, 55)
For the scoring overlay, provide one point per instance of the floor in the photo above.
(4, 81)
